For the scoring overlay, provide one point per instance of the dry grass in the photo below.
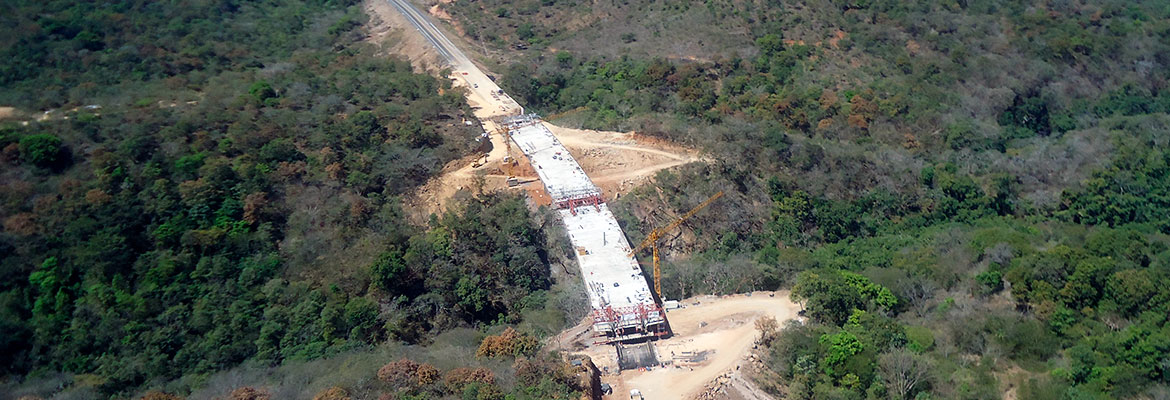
(355, 371)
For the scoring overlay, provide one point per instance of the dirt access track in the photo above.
(720, 327)
(615, 161)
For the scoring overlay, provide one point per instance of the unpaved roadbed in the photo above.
(723, 327)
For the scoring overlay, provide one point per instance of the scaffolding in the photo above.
(581, 198)
(633, 321)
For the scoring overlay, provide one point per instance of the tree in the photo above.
(904, 372)
(825, 298)
(472, 294)
(1029, 113)
(1131, 289)
(831, 296)
(41, 150)
(262, 91)
(280, 150)
(391, 274)
(152, 240)
(525, 32)
(839, 348)
(564, 59)
(768, 328)
(361, 315)
(770, 44)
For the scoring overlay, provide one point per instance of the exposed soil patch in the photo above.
(618, 162)
(720, 329)
(7, 113)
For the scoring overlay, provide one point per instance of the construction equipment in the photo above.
(504, 131)
(652, 240)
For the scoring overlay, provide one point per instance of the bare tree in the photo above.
(768, 328)
(904, 372)
(918, 295)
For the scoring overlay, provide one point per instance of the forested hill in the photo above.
(218, 184)
(969, 196)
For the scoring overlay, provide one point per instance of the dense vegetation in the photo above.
(969, 198)
(220, 185)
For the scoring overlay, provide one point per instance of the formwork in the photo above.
(636, 356)
(623, 308)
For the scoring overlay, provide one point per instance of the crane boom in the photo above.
(652, 239)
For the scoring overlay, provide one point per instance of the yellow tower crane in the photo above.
(652, 240)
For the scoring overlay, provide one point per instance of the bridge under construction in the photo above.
(623, 307)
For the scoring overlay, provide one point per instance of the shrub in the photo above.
(509, 343)
(401, 372)
(992, 280)
(427, 374)
(333, 393)
(458, 379)
(919, 338)
(249, 393)
(547, 373)
(156, 395)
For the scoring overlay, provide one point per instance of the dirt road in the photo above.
(722, 327)
(492, 99)
(616, 161)
(482, 94)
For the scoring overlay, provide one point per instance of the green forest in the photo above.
(216, 197)
(969, 199)
(204, 198)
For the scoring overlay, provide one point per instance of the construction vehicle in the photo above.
(652, 240)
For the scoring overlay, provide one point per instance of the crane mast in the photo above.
(652, 240)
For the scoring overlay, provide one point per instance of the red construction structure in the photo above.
(615, 324)
(587, 199)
